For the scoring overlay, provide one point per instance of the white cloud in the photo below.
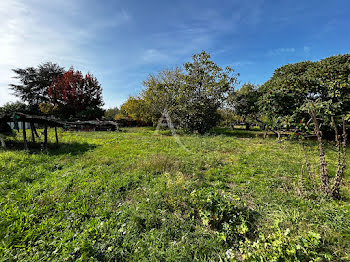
(35, 31)
(241, 63)
(307, 49)
(282, 50)
(154, 56)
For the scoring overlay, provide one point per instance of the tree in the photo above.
(134, 108)
(191, 96)
(74, 96)
(110, 113)
(34, 83)
(13, 107)
(283, 95)
(315, 112)
(206, 88)
(161, 93)
(318, 91)
(294, 86)
(244, 103)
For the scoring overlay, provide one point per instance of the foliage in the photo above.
(74, 96)
(47, 108)
(161, 93)
(111, 113)
(12, 107)
(34, 83)
(191, 96)
(244, 103)
(293, 87)
(206, 89)
(281, 245)
(119, 116)
(135, 108)
(223, 213)
(228, 117)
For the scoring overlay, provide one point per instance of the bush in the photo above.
(227, 215)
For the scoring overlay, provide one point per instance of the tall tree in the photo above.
(161, 93)
(74, 96)
(191, 96)
(35, 83)
(207, 87)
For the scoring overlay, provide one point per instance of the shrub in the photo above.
(227, 215)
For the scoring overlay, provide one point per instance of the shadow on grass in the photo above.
(73, 148)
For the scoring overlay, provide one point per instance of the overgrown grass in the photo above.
(134, 195)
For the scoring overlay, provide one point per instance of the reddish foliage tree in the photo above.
(75, 96)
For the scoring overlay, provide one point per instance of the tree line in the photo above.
(305, 98)
(198, 96)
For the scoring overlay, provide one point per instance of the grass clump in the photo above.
(282, 245)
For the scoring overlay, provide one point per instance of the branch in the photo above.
(261, 122)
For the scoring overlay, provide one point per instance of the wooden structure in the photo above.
(46, 122)
(93, 125)
(5, 130)
(34, 121)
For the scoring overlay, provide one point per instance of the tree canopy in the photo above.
(294, 88)
(13, 107)
(110, 113)
(35, 82)
(244, 103)
(73, 95)
(192, 95)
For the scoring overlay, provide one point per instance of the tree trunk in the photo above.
(45, 137)
(279, 137)
(56, 135)
(24, 135)
(323, 164)
(308, 167)
(265, 132)
(341, 150)
(32, 129)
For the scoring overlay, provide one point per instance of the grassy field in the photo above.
(136, 195)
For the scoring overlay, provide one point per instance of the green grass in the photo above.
(134, 195)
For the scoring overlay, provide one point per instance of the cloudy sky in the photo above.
(121, 42)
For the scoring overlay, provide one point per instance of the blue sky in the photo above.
(122, 42)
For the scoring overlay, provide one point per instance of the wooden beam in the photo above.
(24, 135)
(36, 132)
(45, 137)
(32, 129)
(56, 135)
